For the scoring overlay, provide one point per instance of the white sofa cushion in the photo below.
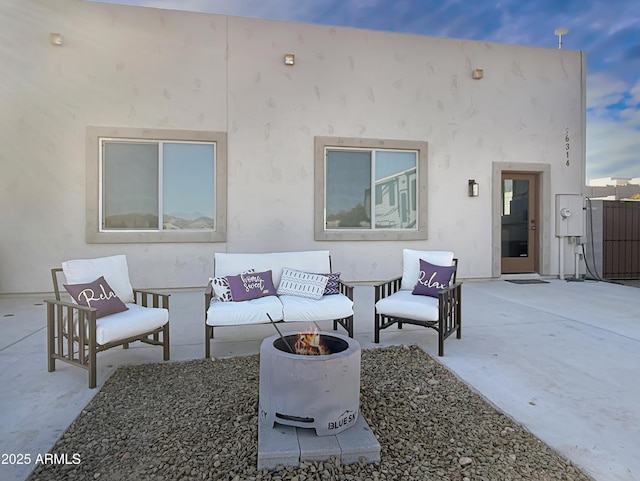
(132, 322)
(404, 304)
(253, 311)
(229, 264)
(411, 264)
(113, 268)
(302, 284)
(296, 308)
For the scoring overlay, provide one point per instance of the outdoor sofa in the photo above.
(285, 286)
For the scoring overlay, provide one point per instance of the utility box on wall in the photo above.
(569, 215)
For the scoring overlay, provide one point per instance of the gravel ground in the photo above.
(197, 420)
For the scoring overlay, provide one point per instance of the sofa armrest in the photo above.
(451, 296)
(143, 296)
(386, 288)
(346, 289)
(208, 296)
(454, 287)
(72, 320)
(70, 305)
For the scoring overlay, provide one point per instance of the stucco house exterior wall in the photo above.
(144, 68)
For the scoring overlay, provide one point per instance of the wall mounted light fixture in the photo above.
(289, 59)
(477, 74)
(474, 188)
(56, 39)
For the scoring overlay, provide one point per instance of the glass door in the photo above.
(519, 207)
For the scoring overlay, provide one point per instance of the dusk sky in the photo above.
(607, 30)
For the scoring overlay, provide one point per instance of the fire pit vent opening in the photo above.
(320, 391)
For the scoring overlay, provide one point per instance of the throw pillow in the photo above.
(221, 287)
(302, 284)
(333, 284)
(252, 285)
(432, 279)
(97, 294)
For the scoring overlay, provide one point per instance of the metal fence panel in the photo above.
(621, 239)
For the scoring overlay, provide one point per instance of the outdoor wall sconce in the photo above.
(289, 59)
(56, 39)
(474, 188)
(477, 74)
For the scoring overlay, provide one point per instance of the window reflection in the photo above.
(351, 176)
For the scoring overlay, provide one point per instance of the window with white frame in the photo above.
(370, 189)
(158, 186)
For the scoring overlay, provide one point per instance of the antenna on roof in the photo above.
(560, 32)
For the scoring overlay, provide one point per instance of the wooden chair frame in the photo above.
(449, 309)
(71, 330)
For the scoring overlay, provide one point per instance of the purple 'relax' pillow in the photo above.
(432, 279)
(97, 294)
(249, 286)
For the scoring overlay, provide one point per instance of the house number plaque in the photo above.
(567, 145)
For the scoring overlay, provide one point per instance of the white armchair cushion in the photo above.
(404, 304)
(113, 268)
(132, 322)
(411, 264)
(253, 311)
(296, 308)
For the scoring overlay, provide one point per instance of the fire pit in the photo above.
(318, 388)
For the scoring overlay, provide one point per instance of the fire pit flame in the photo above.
(309, 343)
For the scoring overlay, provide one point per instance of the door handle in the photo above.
(532, 224)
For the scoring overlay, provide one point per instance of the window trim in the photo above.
(323, 234)
(93, 233)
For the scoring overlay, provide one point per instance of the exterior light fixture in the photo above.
(289, 59)
(474, 188)
(56, 39)
(477, 74)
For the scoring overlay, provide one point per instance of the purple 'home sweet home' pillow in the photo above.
(97, 294)
(249, 286)
(221, 289)
(432, 279)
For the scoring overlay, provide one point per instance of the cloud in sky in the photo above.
(608, 31)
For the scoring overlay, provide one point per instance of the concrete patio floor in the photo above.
(561, 358)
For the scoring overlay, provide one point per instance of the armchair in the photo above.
(395, 302)
(80, 328)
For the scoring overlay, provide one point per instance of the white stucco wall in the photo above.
(148, 68)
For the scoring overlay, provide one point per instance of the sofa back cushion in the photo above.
(411, 264)
(229, 264)
(113, 268)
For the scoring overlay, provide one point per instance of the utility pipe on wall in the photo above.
(561, 257)
(577, 252)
